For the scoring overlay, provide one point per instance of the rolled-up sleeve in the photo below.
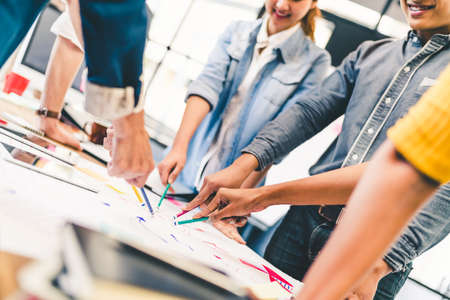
(114, 34)
(63, 27)
(423, 138)
(428, 228)
(210, 82)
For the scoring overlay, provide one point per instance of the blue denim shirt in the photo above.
(374, 86)
(299, 65)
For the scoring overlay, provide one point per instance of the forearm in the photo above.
(132, 124)
(364, 234)
(244, 165)
(65, 60)
(329, 188)
(425, 230)
(196, 110)
(255, 178)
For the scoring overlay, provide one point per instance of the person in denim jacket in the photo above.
(374, 87)
(253, 74)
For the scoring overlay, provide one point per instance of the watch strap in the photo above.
(48, 113)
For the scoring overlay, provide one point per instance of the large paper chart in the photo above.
(199, 241)
(116, 210)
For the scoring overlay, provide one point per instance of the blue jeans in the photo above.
(299, 239)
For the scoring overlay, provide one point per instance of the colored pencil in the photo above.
(137, 194)
(190, 221)
(182, 213)
(147, 201)
(164, 195)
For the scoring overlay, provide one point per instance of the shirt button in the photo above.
(370, 131)
(406, 69)
(387, 100)
(354, 156)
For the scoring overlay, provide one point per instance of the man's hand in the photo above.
(231, 177)
(229, 228)
(59, 131)
(108, 140)
(239, 202)
(132, 157)
(171, 166)
(367, 288)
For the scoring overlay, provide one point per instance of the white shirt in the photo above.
(262, 55)
(63, 27)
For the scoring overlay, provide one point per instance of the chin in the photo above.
(418, 25)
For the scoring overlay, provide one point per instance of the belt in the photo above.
(331, 213)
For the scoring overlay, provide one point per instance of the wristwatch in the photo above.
(48, 113)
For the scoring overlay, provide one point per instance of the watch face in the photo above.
(48, 113)
(42, 111)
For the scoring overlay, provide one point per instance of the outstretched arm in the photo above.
(374, 201)
(64, 63)
(196, 110)
(329, 188)
(65, 60)
(390, 192)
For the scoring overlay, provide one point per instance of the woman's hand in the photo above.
(229, 227)
(170, 167)
(235, 202)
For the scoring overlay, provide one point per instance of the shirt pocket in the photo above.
(425, 84)
(282, 83)
(235, 51)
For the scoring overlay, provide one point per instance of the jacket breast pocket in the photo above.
(235, 51)
(284, 81)
(278, 90)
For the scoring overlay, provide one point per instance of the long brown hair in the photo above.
(308, 22)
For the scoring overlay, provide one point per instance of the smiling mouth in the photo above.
(281, 14)
(416, 7)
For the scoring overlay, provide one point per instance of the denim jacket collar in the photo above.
(288, 51)
(293, 47)
(254, 31)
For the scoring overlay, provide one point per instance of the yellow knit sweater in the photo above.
(423, 135)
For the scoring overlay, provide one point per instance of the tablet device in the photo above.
(46, 166)
(39, 143)
(111, 259)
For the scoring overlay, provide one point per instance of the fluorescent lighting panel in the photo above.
(351, 11)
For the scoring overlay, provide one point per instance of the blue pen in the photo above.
(147, 201)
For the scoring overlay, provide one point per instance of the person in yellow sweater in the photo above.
(416, 157)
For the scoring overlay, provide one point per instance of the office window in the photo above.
(352, 11)
(203, 25)
(182, 35)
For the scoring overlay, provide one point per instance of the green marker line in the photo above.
(164, 195)
(192, 221)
